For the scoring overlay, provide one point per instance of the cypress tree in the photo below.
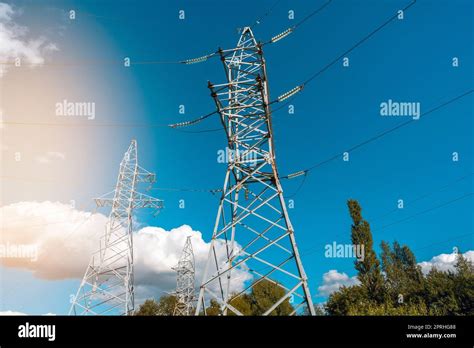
(368, 268)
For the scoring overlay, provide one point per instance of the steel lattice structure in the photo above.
(252, 220)
(185, 297)
(107, 286)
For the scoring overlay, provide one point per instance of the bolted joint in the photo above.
(259, 81)
(221, 53)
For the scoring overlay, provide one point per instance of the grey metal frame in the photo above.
(107, 286)
(185, 283)
(252, 217)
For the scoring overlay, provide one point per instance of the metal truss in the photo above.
(253, 233)
(185, 297)
(107, 286)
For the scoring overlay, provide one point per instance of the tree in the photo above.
(439, 293)
(369, 266)
(242, 303)
(463, 285)
(165, 306)
(214, 308)
(403, 278)
(263, 295)
(346, 300)
(401, 289)
(149, 307)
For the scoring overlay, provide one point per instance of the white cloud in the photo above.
(158, 250)
(6, 11)
(333, 280)
(444, 262)
(66, 238)
(18, 313)
(16, 42)
(49, 156)
(11, 312)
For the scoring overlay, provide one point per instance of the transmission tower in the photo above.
(107, 286)
(253, 232)
(185, 297)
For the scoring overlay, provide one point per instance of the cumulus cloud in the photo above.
(63, 237)
(19, 313)
(11, 313)
(444, 262)
(333, 280)
(66, 238)
(16, 41)
(158, 250)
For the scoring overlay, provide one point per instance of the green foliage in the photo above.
(165, 306)
(214, 308)
(263, 295)
(243, 304)
(439, 293)
(347, 300)
(463, 280)
(388, 308)
(401, 289)
(369, 267)
(149, 307)
(404, 280)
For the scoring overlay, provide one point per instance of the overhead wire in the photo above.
(313, 249)
(289, 95)
(176, 125)
(377, 136)
(427, 194)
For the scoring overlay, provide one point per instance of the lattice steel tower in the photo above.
(107, 286)
(185, 297)
(253, 232)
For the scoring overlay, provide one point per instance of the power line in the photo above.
(299, 187)
(290, 30)
(425, 211)
(357, 44)
(213, 191)
(284, 96)
(313, 249)
(87, 125)
(260, 19)
(316, 11)
(189, 61)
(291, 93)
(376, 137)
(424, 196)
(365, 142)
(335, 60)
(337, 156)
(444, 241)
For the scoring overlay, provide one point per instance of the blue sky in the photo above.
(408, 60)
